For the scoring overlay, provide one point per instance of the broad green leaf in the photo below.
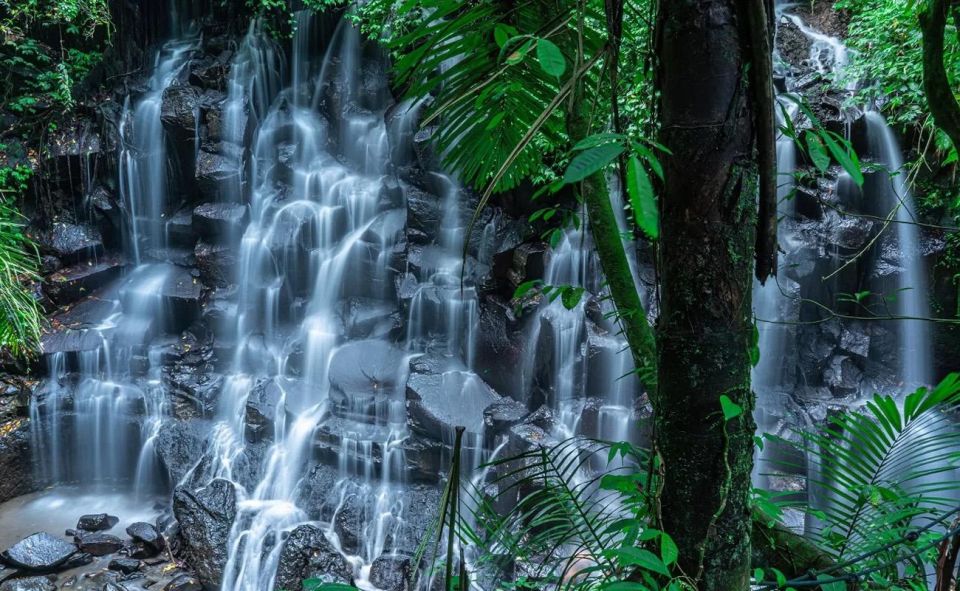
(551, 59)
(668, 549)
(845, 156)
(525, 287)
(731, 409)
(571, 297)
(598, 139)
(754, 345)
(642, 199)
(818, 154)
(625, 586)
(591, 161)
(501, 34)
(833, 586)
(644, 559)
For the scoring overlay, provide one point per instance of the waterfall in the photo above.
(912, 293)
(85, 417)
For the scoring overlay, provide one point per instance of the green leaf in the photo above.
(591, 161)
(731, 409)
(644, 559)
(625, 586)
(642, 199)
(834, 586)
(319, 585)
(818, 154)
(598, 139)
(495, 121)
(668, 549)
(571, 297)
(845, 155)
(754, 345)
(525, 287)
(551, 59)
(501, 34)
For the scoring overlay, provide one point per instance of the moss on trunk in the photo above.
(707, 245)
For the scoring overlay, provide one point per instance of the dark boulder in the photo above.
(391, 572)
(205, 518)
(97, 522)
(69, 284)
(184, 582)
(99, 544)
(39, 552)
(146, 534)
(124, 566)
(307, 554)
(179, 110)
(441, 397)
(220, 222)
(216, 174)
(16, 463)
(364, 378)
(71, 243)
(217, 263)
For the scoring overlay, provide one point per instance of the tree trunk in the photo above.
(703, 336)
(613, 256)
(936, 84)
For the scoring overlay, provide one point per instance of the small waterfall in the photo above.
(97, 416)
(912, 294)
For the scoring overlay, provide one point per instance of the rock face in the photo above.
(39, 552)
(205, 518)
(15, 449)
(307, 554)
(28, 584)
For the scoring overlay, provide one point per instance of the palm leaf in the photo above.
(879, 472)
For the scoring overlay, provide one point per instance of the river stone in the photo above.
(391, 572)
(184, 583)
(146, 534)
(39, 552)
(124, 565)
(219, 222)
(97, 522)
(99, 544)
(307, 554)
(28, 584)
(205, 518)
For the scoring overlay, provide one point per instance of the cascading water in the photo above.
(912, 294)
(85, 419)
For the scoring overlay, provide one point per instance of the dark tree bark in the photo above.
(936, 83)
(708, 219)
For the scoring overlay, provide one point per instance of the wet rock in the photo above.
(39, 552)
(71, 283)
(843, 376)
(501, 347)
(205, 518)
(97, 522)
(348, 525)
(424, 214)
(179, 110)
(184, 583)
(502, 415)
(15, 453)
(216, 174)
(71, 243)
(364, 378)
(441, 396)
(146, 534)
(307, 554)
(219, 222)
(99, 544)
(28, 584)
(179, 229)
(124, 566)
(217, 263)
(77, 560)
(261, 411)
(391, 572)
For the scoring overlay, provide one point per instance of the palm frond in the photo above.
(560, 522)
(877, 473)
